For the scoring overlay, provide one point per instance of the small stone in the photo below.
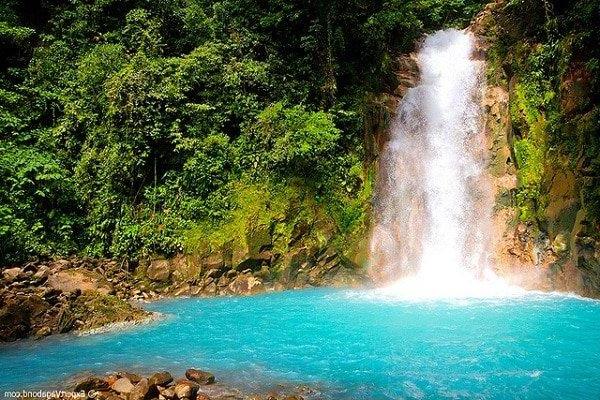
(133, 378)
(160, 379)
(43, 332)
(122, 386)
(42, 273)
(91, 383)
(560, 243)
(202, 396)
(143, 390)
(201, 377)
(185, 389)
(167, 393)
(159, 271)
(212, 273)
(11, 274)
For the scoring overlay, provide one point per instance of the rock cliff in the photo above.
(541, 123)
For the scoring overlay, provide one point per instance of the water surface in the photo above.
(346, 345)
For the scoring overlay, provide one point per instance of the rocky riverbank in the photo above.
(47, 297)
(194, 385)
(40, 299)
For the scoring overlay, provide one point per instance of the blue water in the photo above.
(346, 346)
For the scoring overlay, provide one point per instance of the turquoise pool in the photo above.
(346, 345)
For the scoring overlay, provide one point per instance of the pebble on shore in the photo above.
(196, 385)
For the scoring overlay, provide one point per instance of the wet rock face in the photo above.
(14, 320)
(269, 257)
(557, 249)
(407, 73)
(575, 89)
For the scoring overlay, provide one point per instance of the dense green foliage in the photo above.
(551, 51)
(136, 127)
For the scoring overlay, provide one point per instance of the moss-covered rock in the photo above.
(551, 127)
(95, 309)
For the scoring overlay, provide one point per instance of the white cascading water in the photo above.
(433, 201)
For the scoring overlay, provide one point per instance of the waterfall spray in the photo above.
(434, 200)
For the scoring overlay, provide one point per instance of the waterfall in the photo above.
(433, 201)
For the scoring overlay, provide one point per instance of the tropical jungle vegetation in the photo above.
(137, 127)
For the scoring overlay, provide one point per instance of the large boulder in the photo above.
(133, 378)
(214, 261)
(159, 270)
(71, 281)
(167, 393)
